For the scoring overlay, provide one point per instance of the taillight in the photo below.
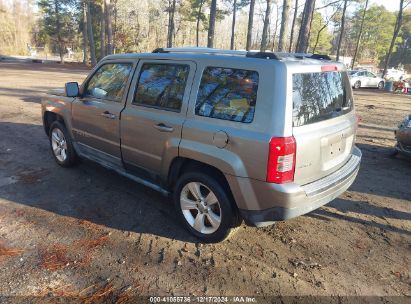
(281, 160)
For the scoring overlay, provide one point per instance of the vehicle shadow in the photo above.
(326, 215)
(87, 192)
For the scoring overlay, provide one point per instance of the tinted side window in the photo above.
(162, 85)
(228, 94)
(109, 81)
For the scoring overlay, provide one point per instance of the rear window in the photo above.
(320, 96)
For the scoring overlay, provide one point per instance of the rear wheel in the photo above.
(61, 145)
(357, 84)
(204, 206)
(381, 85)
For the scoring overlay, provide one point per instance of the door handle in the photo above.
(163, 128)
(107, 114)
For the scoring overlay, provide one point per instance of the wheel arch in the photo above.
(50, 117)
(181, 165)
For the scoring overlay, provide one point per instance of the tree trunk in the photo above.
(303, 37)
(284, 25)
(108, 11)
(170, 34)
(200, 7)
(293, 27)
(90, 36)
(233, 25)
(341, 30)
(211, 27)
(85, 40)
(394, 37)
(58, 28)
(264, 36)
(102, 33)
(359, 35)
(250, 25)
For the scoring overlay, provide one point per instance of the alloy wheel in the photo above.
(200, 207)
(59, 144)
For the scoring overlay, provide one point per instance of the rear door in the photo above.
(152, 121)
(323, 123)
(96, 114)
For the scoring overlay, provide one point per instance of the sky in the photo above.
(391, 5)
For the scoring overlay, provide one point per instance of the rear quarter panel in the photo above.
(246, 153)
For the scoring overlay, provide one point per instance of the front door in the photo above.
(96, 113)
(152, 121)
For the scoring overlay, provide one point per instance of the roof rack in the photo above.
(320, 57)
(250, 54)
(200, 50)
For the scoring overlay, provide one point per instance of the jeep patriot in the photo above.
(228, 135)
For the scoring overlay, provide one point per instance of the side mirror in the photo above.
(72, 89)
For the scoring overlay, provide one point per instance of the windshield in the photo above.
(320, 96)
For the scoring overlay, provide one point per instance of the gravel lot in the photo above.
(91, 234)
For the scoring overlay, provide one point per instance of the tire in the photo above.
(209, 218)
(381, 85)
(61, 145)
(357, 84)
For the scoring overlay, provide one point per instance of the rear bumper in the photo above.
(298, 200)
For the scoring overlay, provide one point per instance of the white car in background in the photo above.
(365, 79)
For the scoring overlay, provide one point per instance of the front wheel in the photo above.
(61, 145)
(381, 85)
(357, 84)
(204, 207)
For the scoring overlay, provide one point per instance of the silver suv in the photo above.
(229, 135)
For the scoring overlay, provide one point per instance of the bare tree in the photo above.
(233, 24)
(342, 28)
(211, 26)
(397, 28)
(304, 34)
(250, 25)
(108, 10)
(359, 35)
(85, 40)
(198, 17)
(102, 32)
(264, 36)
(171, 12)
(58, 28)
(293, 27)
(284, 25)
(90, 35)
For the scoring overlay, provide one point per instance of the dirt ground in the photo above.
(90, 234)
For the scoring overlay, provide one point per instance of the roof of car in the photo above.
(229, 55)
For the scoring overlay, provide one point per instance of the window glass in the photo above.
(228, 94)
(109, 81)
(320, 96)
(370, 75)
(162, 85)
